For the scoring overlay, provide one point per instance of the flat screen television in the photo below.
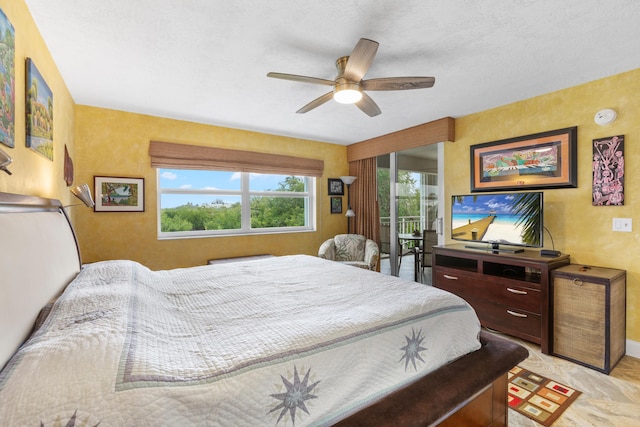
(513, 219)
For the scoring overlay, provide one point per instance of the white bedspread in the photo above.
(283, 341)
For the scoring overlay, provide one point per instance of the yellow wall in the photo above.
(116, 143)
(578, 228)
(32, 173)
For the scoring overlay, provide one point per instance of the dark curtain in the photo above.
(364, 199)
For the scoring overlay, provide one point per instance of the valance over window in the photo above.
(182, 156)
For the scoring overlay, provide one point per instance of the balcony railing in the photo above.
(405, 224)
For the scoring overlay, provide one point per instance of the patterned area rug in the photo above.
(539, 398)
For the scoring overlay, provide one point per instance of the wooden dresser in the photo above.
(509, 291)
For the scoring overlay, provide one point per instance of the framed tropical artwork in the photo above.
(115, 194)
(7, 81)
(538, 161)
(39, 112)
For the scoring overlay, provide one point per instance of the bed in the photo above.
(293, 340)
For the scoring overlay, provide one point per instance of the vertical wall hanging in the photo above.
(608, 171)
(68, 167)
(7, 81)
(39, 112)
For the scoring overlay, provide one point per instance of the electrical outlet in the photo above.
(622, 224)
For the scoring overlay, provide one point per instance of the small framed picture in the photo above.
(336, 187)
(336, 205)
(114, 194)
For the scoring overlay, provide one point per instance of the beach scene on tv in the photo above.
(511, 219)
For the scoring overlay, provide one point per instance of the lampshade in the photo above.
(348, 179)
(83, 193)
(350, 213)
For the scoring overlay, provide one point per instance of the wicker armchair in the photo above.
(351, 249)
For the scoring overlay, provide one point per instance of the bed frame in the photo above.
(41, 256)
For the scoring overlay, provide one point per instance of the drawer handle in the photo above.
(517, 291)
(446, 276)
(513, 313)
(577, 282)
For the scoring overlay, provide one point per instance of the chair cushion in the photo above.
(349, 247)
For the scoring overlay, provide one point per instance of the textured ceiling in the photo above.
(206, 60)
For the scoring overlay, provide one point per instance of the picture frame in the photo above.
(7, 74)
(607, 174)
(336, 205)
(537, 161)
(39, 112)
(118, 194)
(336, 187)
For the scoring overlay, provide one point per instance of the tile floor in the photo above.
(606, 400)
(406, 269)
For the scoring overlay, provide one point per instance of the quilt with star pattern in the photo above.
(283, 341)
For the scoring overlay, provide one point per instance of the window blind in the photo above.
(184, 156)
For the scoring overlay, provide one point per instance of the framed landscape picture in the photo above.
(39, 110)
(8, 79)
(114, 194)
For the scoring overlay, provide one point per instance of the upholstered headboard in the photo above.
(39, 257)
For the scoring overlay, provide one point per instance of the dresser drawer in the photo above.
(508, 319)
(463, 284)
(519, 297)
(476, 286)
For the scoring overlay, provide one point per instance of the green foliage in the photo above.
(277, 212)
(527, 206)
(171, 222)
(408, 197)
(191, 217)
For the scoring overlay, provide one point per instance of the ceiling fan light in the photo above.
(348, 96)
(347, 93)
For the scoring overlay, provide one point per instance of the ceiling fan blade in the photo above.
(398, 83)
(316, 103)
(368, 106)
(360, 59)
(303, 79)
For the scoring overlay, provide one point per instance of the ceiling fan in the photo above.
(349, 87)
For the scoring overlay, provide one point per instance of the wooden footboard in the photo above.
(469, 391)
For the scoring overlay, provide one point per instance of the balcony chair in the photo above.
(351, 249)
(429, 240)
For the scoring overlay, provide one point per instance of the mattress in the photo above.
(293, 340)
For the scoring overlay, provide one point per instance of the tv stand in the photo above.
(509, 291)
(495, 247)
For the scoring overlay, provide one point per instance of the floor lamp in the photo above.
(348, 180)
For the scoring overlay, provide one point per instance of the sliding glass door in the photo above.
(408, 202)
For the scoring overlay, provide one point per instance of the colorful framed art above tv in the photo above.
(538, 161)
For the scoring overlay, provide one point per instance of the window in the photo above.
(196, 203)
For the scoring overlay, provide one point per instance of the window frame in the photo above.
(245, 193)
